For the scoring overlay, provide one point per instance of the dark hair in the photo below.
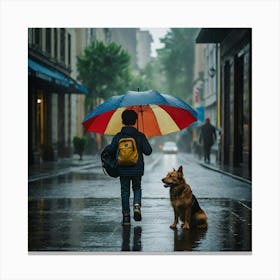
(129, 117)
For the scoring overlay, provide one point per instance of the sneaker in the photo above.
(137, 213)
(126, 220)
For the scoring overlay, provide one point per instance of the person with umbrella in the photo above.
(207, 138)
(131, 173)
(153, 114)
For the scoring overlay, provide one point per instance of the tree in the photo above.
(150, 77)
(177, 58)
(154, 73)
(104, 69)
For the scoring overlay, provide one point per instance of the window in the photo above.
(62, 45)
(69, 50)
(48, 40)
(30, 36)
(55, 43)
(38, 37)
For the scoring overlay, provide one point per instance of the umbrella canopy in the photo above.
(158, 114)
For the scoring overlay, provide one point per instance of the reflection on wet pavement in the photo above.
(126, 235)
(95, 225)
(188, 240)
(81, 212)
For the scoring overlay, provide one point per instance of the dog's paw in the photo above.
(173, 226)
(186, 226)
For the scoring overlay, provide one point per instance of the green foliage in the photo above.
(151, 77)
(155, 76)
(177, 59)
(79, 145)
(140, 82)
(104, 69)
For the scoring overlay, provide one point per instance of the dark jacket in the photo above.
(143, 147)
(207, 135)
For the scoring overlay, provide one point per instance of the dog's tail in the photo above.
(201, 219)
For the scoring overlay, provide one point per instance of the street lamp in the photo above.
(212, 72)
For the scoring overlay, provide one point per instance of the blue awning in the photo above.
(56, 77)
(47, 74)
(76, 87)
(81, 88)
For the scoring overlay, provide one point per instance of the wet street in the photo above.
(79, 210)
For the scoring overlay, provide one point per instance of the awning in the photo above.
(53, 76)
(212, 35)
(47, 74)
(79, 87)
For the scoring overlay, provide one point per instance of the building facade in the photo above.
(135, 41)
(198, 83)
(144, 40)
(234, 78)
(127, 38)
(56, 99)
(52, 93)
(211, 82)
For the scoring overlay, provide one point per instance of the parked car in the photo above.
(170, 147)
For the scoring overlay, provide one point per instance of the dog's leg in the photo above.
(173, 226)
(187, 218)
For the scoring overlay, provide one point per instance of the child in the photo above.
(131, 174)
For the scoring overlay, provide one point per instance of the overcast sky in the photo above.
(156, 33)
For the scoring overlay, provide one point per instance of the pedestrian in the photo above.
(207, 138)
(131, 174)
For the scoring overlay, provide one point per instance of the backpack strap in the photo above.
(125, 135)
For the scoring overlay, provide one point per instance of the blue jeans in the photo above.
(125, 191)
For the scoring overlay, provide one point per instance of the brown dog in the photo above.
(185, 204)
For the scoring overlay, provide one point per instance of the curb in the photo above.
(226, 173)
(61, 172)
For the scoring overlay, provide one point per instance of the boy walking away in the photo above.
(129, 145)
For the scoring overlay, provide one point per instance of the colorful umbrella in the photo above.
(158, 114)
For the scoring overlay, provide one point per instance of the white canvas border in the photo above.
(17, 16)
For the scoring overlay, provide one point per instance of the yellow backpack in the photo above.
(127, 152)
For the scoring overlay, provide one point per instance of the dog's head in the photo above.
(173, 178)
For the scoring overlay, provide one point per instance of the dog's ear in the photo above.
(180, 170)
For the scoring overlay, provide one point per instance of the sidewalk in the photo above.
(93, 225)
(61, 166)
(80, 210)
(236, 173)
(64, 165)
